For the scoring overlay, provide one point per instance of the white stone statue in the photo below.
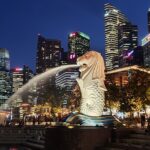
(91, 83)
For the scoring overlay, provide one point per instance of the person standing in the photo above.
(143, 121)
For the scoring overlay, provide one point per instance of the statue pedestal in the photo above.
(105, 120)
(76, 138)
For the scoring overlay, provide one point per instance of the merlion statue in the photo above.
(92, 87)
(91, 83)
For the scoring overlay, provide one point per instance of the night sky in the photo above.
(22, 20)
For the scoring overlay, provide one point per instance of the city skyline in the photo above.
(22, 21)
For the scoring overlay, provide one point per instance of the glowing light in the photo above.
(72, 56)
(72, 34)
(70, 127)
(80, 33)
(106, 14)
(18, 69)
(84, 35)
(146, 39)
(128, 54)
(114, 10)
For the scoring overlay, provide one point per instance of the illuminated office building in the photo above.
(4, 59)
(5, 76)
(132, 57)
(127, 40)
(78, 44)
(127, 37)
(146, 46)
(67, 79)
(48, 54)
(20, 76)
(27, 74)
(17, 78)
(113, 19)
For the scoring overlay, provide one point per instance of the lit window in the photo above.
(46, 57)
(50, 56)
(42, 48)
(56, 46)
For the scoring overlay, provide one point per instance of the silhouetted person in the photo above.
(148, 126)
(142, 121)
(39, 119)
(34, 120)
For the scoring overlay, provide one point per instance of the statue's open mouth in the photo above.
(83, 67)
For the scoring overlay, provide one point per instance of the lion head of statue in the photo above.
(92, 67)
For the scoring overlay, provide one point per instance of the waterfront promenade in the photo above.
(34, 137)
(29, 136)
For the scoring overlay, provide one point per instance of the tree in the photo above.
(132, 95)
(137, 87)
(112, 95)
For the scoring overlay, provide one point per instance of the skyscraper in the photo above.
(146, 46)
(127, 37)
(113, 18)
(17, 78)
(4, 59)
(148, 16)
(20, 76)
(48, 54)
(78, 44)
(27, 74)
(5, 76)
(127, 40)
(67, 79)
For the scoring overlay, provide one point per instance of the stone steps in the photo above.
(37, 143)
(36, 146)
(137, 140)
(140, 136)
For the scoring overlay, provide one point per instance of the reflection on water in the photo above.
(6, 147)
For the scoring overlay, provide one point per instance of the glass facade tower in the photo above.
(127, 40)
(78, 44)
(146, 46)
(113, 18)
(5, 76)
(4, 59)
(48, 54)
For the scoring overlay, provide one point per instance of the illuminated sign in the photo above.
(72, 56)
(128, 55)
(84, 35)
(145, 40)
(18, 69)
(80, 33)
(72, 34)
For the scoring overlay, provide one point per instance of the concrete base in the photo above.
(77, 138)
